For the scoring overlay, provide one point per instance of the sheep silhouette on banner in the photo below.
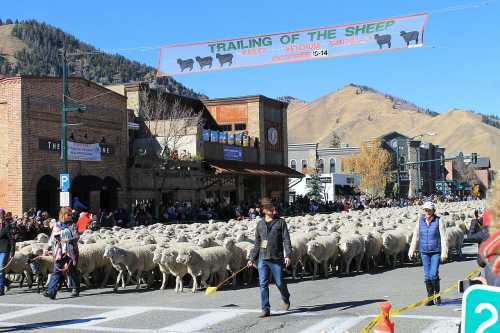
(383, 39)
(187, 63)
(225, 58)
(206, 61)
(409, 36)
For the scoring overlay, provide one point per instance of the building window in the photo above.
(332, 165)
(321, 166)
(304, 165)
(240, 127)
(226, 128)
(402, 163)
(293, 165)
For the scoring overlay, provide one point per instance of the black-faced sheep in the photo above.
(206, 61)
(409, 36)
(383, 39)
(224, 58)
(187, 63)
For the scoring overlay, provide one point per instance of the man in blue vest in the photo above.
(429, 239)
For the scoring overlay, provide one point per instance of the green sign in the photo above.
(480, 309)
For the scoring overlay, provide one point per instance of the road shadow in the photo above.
(46, 325)
(342, 306)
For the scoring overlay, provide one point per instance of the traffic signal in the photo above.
(474, 158)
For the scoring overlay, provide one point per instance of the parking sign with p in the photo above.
(65, 182)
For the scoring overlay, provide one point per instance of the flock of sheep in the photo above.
(204, 254)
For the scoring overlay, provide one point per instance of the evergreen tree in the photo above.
(42, 58)
(315, 187)
(8, 21)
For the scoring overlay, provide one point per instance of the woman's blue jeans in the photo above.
(430, 261)
(274, 267)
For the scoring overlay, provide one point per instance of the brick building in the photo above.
(420, 178)
(30, 164)
(238, 155)
(462, 174)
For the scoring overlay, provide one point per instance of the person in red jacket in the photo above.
(83, 222)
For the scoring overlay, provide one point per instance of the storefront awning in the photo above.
(230, 168)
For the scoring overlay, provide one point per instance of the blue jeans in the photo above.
(74, 279)
(276, 268)
(4, 257)
(430, 261)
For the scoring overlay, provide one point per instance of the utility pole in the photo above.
(64, 120)
(397, 172)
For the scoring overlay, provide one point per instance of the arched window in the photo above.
(332, 165)
(321, 166)
(293, 165)
(304, 165)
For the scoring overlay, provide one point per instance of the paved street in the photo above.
(338, 304)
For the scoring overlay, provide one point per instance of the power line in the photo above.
(449, 9)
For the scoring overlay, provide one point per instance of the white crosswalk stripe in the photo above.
(442, 326)
(334, 325)
(204, 319)
(108, 316)
(199, 323)
(28, 312)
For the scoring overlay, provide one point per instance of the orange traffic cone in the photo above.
(385, 325)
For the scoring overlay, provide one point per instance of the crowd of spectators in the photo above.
(33, 222)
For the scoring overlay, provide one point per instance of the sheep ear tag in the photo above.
(210, 291)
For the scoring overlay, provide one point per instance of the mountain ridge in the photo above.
(359, 116)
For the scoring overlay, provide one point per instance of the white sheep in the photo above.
(352, 247)
(299, 251)
(238, 257)
(203, 262)
(90, 259)
(394, 244)
(373, 247)
(157, 259)
(455, 239)
(136, 260)
(321, 250)
(169, 260)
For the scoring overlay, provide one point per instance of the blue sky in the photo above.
(460, 70)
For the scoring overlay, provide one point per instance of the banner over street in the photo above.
(343, 40)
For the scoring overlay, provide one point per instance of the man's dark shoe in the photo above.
(75, 293)
(264, 314)
(2, 292)
(51, 296)
(286, 306)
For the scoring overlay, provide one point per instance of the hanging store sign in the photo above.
(55, 145)
(233, 154)
(83, 151)
(350, 39)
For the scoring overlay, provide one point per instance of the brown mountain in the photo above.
(357, 114)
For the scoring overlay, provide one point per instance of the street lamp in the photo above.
(417, 185)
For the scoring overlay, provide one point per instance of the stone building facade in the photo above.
(30, 114)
